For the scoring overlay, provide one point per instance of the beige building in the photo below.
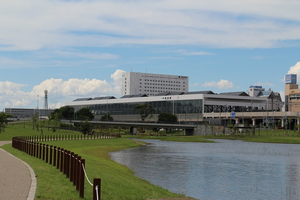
(292, 93)
(136, 83)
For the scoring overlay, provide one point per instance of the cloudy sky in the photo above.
(75, 48)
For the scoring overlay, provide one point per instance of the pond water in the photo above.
(227, 169)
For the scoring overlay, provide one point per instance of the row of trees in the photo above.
(145, 111)
(67, 112)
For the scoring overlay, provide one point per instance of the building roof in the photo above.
(96, 98)
(200, 92)
(83, 99)
(133, 96)
(235, 93)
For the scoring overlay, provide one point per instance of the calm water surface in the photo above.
(222, 170)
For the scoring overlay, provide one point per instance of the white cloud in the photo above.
(222, 84)
(295, 70)
(59, 91)
(32, 25)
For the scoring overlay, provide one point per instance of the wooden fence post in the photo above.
(71, 166)
(61, 159)
(74, 169)
(81, 178)
(54, 155)
(44, 150)
(50, 159)
(97, 188)
(77, 172)
(58, 157)
(47, 152)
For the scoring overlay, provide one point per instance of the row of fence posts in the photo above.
(69, 163)
(69, 137)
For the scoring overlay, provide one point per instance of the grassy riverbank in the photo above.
(264, 136)
(118, 182)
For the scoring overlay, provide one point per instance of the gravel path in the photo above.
(17, 179)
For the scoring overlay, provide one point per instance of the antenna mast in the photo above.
(46, 99)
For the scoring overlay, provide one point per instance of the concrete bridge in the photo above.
(188, 129)
(254, 117)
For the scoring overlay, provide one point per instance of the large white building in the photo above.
(134, 83)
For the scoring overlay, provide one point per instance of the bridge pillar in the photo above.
(253, 122)
(237, 121)
(133, 131)
(197, 131)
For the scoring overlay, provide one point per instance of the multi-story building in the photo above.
(274, 101)
(27, 112)
(292, 93)
(134, 83)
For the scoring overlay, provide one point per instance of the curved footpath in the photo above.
(17, 179)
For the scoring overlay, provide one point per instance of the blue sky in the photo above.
(80, 48)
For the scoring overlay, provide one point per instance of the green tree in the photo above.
(55, 113)
(85, 127)
(3, 119)
(65, 112)
(85, 113)
(167, 117)
(106, 117)
(145, 110)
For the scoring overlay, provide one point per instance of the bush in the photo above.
(63, 125)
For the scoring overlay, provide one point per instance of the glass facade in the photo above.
(175, 107)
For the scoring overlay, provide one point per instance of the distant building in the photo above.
(27, 112)
(274, 102)
(134, 83)
(292, 93)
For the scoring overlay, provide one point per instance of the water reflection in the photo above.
(223, 170)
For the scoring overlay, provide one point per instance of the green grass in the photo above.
(264, 136)
(26, 129)
(173, 138)
(118, 182)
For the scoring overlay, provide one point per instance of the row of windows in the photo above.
(168, 88)
(162, 81)
(162, 84)
(161, 91)
(176, 107)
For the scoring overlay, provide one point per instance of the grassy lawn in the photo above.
(26, 129)
(265, 136)
(118, 182)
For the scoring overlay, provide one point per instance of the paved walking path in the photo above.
(17, 179)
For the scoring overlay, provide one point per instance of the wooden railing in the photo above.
(69, 163)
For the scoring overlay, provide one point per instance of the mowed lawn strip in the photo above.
(118, 182)
(19, 129)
